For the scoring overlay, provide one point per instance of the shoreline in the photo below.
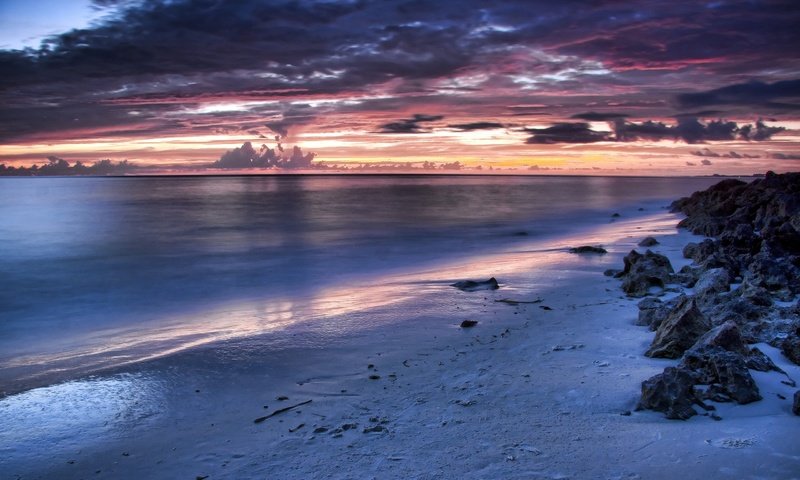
(114, 348)
(526, 393)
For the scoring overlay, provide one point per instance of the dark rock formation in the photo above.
(648, 242)
(587, 249)
(468, 323)
(712, 282)
(724, 372)
(681, 328)
(791, 346)
(796, 405)
(739, 277)
(473, 286)
(725, 336)
(671, 392)
(644, 272)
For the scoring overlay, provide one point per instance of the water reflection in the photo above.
(331, 311)
(78, 413)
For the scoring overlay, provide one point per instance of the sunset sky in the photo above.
(608, 87)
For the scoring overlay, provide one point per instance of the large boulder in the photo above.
(725, 372)
(671, 392)
(712, 282)
(725, 336)
(643, 272)
(652, 312)
(679, 331)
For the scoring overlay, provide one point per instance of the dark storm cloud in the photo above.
(158, 52)
(689, 130)
(783, 95)
(468, 127)
(566, 133)
(692, 130)
(409, 125)
(599, 116)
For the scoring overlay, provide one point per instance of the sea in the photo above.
(97, 272)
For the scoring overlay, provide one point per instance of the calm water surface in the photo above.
(79, 256)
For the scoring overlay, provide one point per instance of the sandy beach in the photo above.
(544, 386)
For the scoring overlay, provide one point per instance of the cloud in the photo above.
(247, 156)
(566, 133)
(692, 130)
(687, 129)
(294, 116)
(409, 125)
(706, 152)
(776, 95)
(785, 156)
(467, 127)
(599, 116)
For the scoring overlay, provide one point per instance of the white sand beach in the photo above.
(529, 392)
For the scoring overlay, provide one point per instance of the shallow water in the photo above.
(114, 270)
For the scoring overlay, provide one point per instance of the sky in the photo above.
(568, 87)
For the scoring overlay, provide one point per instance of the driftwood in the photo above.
(281, 410)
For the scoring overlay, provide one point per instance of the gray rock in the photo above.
(791, 347)
(648, 242)
(760, 362)
(679, 331)
(725, 336)
(700, 251)
(724, 371)
(474, 286)
(716, 280)
(687, 276)
(671, 392)
(653, 311)
(644, 272)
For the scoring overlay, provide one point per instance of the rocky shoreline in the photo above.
(741, 289)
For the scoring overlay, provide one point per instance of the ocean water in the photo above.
(85, 262)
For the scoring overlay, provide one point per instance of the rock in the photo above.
(687, 276)
(652, 312)
(473, 286)
(679, 331)
(643, 272)
(725, 336)
(760, 362)
(712, 282)
(791, 347)
(468, 323)
(588, 249)
(796, 405)
(612, 272)
(648, 242)
(700, 251)
(671, 392)
(724, 371)
(615, 215)
(754, 294)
